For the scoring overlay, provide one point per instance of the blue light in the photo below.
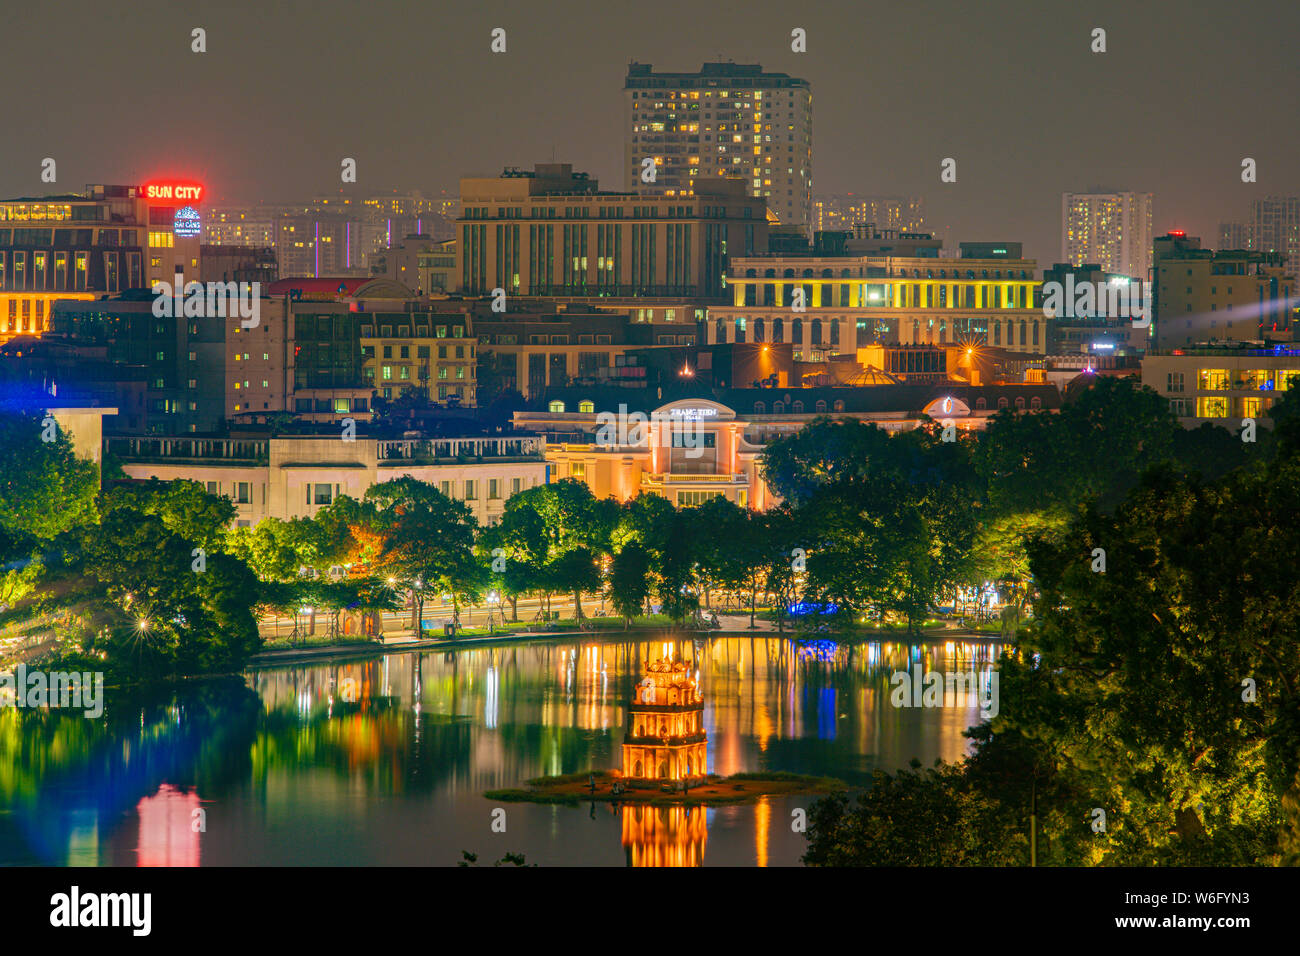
(804, 608)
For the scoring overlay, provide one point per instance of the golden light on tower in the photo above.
(665, 742)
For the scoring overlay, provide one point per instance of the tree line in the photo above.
(1149, 714)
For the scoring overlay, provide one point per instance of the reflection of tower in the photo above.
(664, 836)
(665, 738)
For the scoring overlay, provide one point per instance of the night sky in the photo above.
(411, 90)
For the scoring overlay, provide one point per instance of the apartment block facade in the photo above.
(1111, 229)
(726, 120)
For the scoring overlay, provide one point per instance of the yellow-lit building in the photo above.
(1222, 385)
(665, 740)
(854, 301)
(623, 457)
(83, 246)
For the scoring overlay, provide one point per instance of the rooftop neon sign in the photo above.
(171, 191)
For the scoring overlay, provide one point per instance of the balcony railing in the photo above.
(156, 450)
(452, 450)
(679, 479)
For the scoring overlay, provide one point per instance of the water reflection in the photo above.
(384, 760)
(664, 836)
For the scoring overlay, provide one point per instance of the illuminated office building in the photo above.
(241, 226)
(984, 297)
(551, 232)
(317, 244)
(432, 350)
(71, 246)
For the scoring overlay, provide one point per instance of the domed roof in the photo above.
(873, 376)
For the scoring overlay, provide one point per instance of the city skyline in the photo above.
(514, 436)
(1017, 150)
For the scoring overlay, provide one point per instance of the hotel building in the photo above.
(985, 297)
(1224, 384)
(294, 477)
(728, 119)
(1112, 229)
(703, 443)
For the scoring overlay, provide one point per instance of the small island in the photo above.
(611, 787)
(665, 752)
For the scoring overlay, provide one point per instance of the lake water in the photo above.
(281, 769)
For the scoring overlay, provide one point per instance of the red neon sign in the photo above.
(172, 191)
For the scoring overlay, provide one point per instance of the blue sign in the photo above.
(186, 222)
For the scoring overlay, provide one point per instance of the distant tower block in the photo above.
(665, 740)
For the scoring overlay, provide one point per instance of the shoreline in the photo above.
(281, 656)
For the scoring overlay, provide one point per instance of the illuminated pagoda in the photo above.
(665, 740)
